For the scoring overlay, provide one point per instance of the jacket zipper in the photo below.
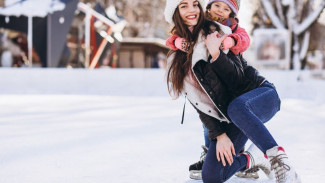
(209, 96)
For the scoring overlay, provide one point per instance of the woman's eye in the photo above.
(195, 5)
(183, 6)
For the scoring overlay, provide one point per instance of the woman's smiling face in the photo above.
(189, 11)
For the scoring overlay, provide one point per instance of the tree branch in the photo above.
(305, 45)
(280, 11)
(299, 7)
(305, 24)
(271, 13)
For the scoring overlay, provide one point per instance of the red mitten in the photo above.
(228, 43)
(171, 42)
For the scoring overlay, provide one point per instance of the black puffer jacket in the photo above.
(223, 80)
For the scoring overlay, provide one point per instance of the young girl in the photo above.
(224, 12)
(233, 101)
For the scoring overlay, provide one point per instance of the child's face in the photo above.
(220, 10)
(189, 11)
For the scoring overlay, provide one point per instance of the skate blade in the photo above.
(196, 174)
(247, 175)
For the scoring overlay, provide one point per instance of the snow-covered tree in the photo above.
(297, 16)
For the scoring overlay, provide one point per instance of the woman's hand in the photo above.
(213, 43)
(225, 149)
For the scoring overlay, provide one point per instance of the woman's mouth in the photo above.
(191, 17)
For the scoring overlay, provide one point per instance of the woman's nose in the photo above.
(192, 8)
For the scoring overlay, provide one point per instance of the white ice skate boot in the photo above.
(257, 160)
(284, 172)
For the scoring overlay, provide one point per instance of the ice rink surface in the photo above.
(122, 127)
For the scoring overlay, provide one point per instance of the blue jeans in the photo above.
(206, 136)
(248, 114)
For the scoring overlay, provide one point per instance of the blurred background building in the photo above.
(77, 34)
(132, 33)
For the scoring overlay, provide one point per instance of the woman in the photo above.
(223, 88)
(224, 12)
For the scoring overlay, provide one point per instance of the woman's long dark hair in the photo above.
(181, 63)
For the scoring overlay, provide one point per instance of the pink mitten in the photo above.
(228, 43)
(181, 44)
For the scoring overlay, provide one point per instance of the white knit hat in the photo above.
(171, 6)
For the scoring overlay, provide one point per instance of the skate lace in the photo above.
(276, 161)
(203, 155)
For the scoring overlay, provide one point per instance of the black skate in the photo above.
(196, 168)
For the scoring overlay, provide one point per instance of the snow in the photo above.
(120, 125)
(39, 8)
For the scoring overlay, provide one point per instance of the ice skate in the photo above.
(250, 173)
(257, 160)
(284, 172)
(196, 168)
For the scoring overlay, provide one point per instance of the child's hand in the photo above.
(227, 43)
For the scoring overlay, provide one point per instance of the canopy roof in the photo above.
(34, 8)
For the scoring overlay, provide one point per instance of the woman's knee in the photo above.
(237, 106)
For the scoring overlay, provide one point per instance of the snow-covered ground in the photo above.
(120, 126)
